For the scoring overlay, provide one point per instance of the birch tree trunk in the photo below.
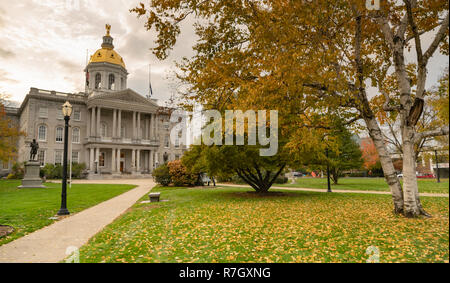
(412, 204)
(387, 164)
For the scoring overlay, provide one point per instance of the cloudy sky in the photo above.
(43, 44)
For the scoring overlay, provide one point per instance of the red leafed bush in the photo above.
(179, 174)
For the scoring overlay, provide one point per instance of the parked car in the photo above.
(426, 176)
(400, 175)
(297, 174)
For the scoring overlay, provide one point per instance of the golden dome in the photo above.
(107, 55)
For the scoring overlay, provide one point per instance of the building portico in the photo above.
(123, 134)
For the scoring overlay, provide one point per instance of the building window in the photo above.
(41, 157)
(43, 112)
(101, 160)
(77, 115)
(166, 141)
(58, 157)
(122, 132)
(75, 156)
(122, 83)
(76, 135)
(42, 133)
(111, 82)
(98, 80)
(104, 130)
(59, 114)
(59, 134)
(177, 157)
(5, 165)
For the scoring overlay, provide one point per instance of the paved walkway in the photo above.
(335, 191)
(50, 243)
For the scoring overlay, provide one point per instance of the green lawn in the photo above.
(233, 225)
(367, 184)
(28, 210)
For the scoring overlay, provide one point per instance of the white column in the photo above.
(145, 133)
(93, 131)
(91, 160)
(97, 156)
(134, 125)
(133, 160)
(152, 127)
(151, 161)
(86, 158)
(88, 125)
(138, 130)
(113, 160)
(146, 157)
(118, 160)
(114, 129)
(138, 160)
(156, 127)
(99, 114)
(119, 126)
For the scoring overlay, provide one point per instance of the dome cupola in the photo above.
(106, 70)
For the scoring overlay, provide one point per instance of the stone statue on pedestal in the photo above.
(34, 149)
(32, 170)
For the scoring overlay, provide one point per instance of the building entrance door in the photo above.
(122, 162)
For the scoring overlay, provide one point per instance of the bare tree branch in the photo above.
(437, 39)
(434, 133)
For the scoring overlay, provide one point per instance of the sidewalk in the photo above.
(335, 191)
(50, 243)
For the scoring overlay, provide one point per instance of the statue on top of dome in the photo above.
(108, 29)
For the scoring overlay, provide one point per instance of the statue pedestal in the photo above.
(32, 179)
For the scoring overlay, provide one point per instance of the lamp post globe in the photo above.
(67, 112)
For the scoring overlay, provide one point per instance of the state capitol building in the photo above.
(114, 130)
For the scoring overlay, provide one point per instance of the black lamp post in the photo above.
(67, 112)
(437, 166)
(328, 173)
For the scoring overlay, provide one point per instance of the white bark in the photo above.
(386, 163)
(412, 206)
(410, 188)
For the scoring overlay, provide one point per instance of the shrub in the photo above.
(281, 180)
(78, 170)
(179, 174)
(52, 171)
(17, 171)
(161, 175)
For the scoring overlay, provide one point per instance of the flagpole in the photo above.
(87, 73)
(150, 81)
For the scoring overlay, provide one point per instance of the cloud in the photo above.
(4, 78)
(48, 40)
(6, 53)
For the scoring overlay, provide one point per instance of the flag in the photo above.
(150, 79)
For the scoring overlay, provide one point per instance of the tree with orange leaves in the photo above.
(9, 134)
(369, 153)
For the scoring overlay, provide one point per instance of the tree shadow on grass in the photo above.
(268, 195)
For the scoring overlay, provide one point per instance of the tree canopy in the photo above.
(312, 61)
